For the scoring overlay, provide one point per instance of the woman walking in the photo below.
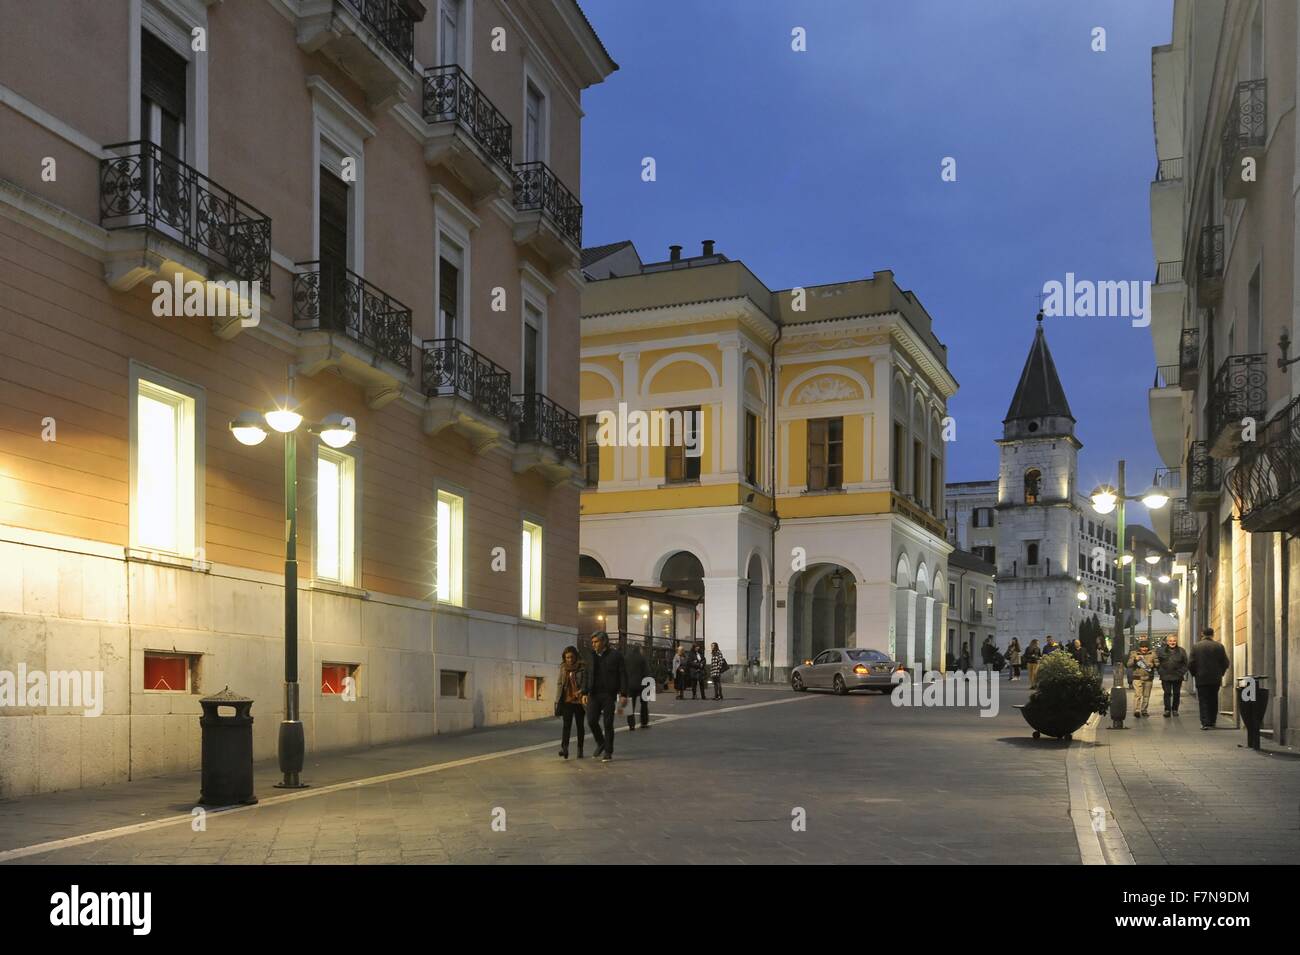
(718, 665)
(1013, 658)
(679, 671)
(571, 698)
(1032, 656)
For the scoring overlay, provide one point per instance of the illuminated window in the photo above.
(164, 505)
(531, 571)
(335, 510)
(449, 534)
(533, 688)
(168, 672)
(334, 679)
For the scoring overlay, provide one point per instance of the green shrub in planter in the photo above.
(1065, 697)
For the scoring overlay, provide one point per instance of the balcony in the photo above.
(1022, 571)
(546, 438)
(1245, 131)
(1168, 305)
(1184, 528)
(1167, 209)
(1240, 392)
(171, 219)
(1209, 266)
(1204, 478)
(1265, 484)
(351, 325)
(549, 216)
(467, 135)
(1165, 403)
(1189, 358)
(372, 41)
(467, 392)
(912, 509)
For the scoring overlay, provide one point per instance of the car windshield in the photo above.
(869, 656)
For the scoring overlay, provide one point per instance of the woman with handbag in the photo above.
(571, 697)
(718, 665)
(679, 671)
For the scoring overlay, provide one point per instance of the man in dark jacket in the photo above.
(608, 681)
(638, 672)
(1208, 664)
(1172, 668)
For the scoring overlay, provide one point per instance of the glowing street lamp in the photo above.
(337, 431)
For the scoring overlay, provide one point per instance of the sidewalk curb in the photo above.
(1099, 844)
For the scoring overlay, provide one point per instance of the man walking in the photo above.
(637, 688)
(988, 652)
(1208, 664)
(608, 681)
(1143, 663)
(1172, 669)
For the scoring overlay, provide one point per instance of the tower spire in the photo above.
(1039, 395)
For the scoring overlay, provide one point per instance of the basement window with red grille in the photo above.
(333, 679)
(167, 672)
(532, 688)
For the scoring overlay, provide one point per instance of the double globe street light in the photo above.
(337, 431)
(1105, 499)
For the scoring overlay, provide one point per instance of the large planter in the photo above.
(1060, 722)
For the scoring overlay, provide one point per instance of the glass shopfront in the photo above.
(654, 618)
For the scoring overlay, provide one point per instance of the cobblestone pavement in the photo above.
(709, 782)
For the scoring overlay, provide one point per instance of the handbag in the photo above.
(557, 708)
(725, 667)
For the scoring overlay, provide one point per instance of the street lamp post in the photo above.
(1104, 500)
(336, 431)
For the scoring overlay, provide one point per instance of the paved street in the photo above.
(711, 782)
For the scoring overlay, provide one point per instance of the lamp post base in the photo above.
(293, 744)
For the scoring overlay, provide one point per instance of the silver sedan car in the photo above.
(844, 669)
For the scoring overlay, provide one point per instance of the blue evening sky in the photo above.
(823, 166)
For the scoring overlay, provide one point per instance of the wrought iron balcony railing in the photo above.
(1209, 260)
(1189, 356)
(1203, 472)
(141, 186)
(536, 187)
(1168, 272)
(334, 298)
(1246, 124)
(391, 22)
(1169, 169)
(1168, 479)
(1184, 527)
(1240, 392)
(538, 418)
(1166, 376)
(1265, 484)
(450, 96)
(450, 368)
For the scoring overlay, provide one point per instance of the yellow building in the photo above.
(809, 511)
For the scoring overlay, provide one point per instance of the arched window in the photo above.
(1033, 484)
(1031, 553)
(589, 567)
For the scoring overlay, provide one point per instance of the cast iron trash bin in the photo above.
(1252, 710)
(227, 777)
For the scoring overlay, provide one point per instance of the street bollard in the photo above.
(1252, 701)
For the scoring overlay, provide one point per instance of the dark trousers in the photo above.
(632, 703)
(1173, 691)
(700, 682)
(571, 713)
(600, 709)
(717, 687)
(1208, 695)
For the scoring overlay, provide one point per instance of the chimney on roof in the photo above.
(708, 246)
(674, 253)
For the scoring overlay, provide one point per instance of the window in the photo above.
(533, 688)
(983, 517)
(531, 571)
(450, 262)
(449, 17)
(900, 456)
(335, 516)
(532, 343)
(936, 484)
(683, 429)
(1031, 553)
(952, 595)
(170, 672)
(589, 453)
(1033, 482)
(451, 683)
(970, 603)
(823, 657)
(751, 448)
(162, 122)
(164, 510)
(534, 124)
(825, 453)
(338, 679)
(918, 472)
(449, 537)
